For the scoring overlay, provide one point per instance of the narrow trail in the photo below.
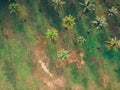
(41, 60)
(40, 55)
(43, 66)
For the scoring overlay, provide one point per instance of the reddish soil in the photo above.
(50, 83)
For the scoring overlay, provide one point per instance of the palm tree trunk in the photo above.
(53, 41)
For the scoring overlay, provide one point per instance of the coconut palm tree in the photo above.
(58, 4)
(52, 34)
(68, 22)
(87, 5)
(13, 7)
(112, 11)
(100, 22)
(113, 43)
(63, 54)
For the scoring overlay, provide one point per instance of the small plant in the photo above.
(58, 4)
(13, 7)
(112, 11)
(52, 34)
(63, 54)
(81, 40)
(68, 22)
(100, 22)
(113, 43)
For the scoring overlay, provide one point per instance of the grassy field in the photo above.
(23, 34)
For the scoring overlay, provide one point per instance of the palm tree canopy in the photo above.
(81, 40)
(114, 44)
(63, 54)
(68, 21)
(52, 34)
(112, 11)
(13, 7)
(58, 4)
(100, 22)
(87, 5)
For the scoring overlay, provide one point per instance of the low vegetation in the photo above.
(59, 44)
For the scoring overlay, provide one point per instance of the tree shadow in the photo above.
(71, 9)
(50, 13)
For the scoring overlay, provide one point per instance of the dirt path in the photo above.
(41, 70)
(43, 66)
